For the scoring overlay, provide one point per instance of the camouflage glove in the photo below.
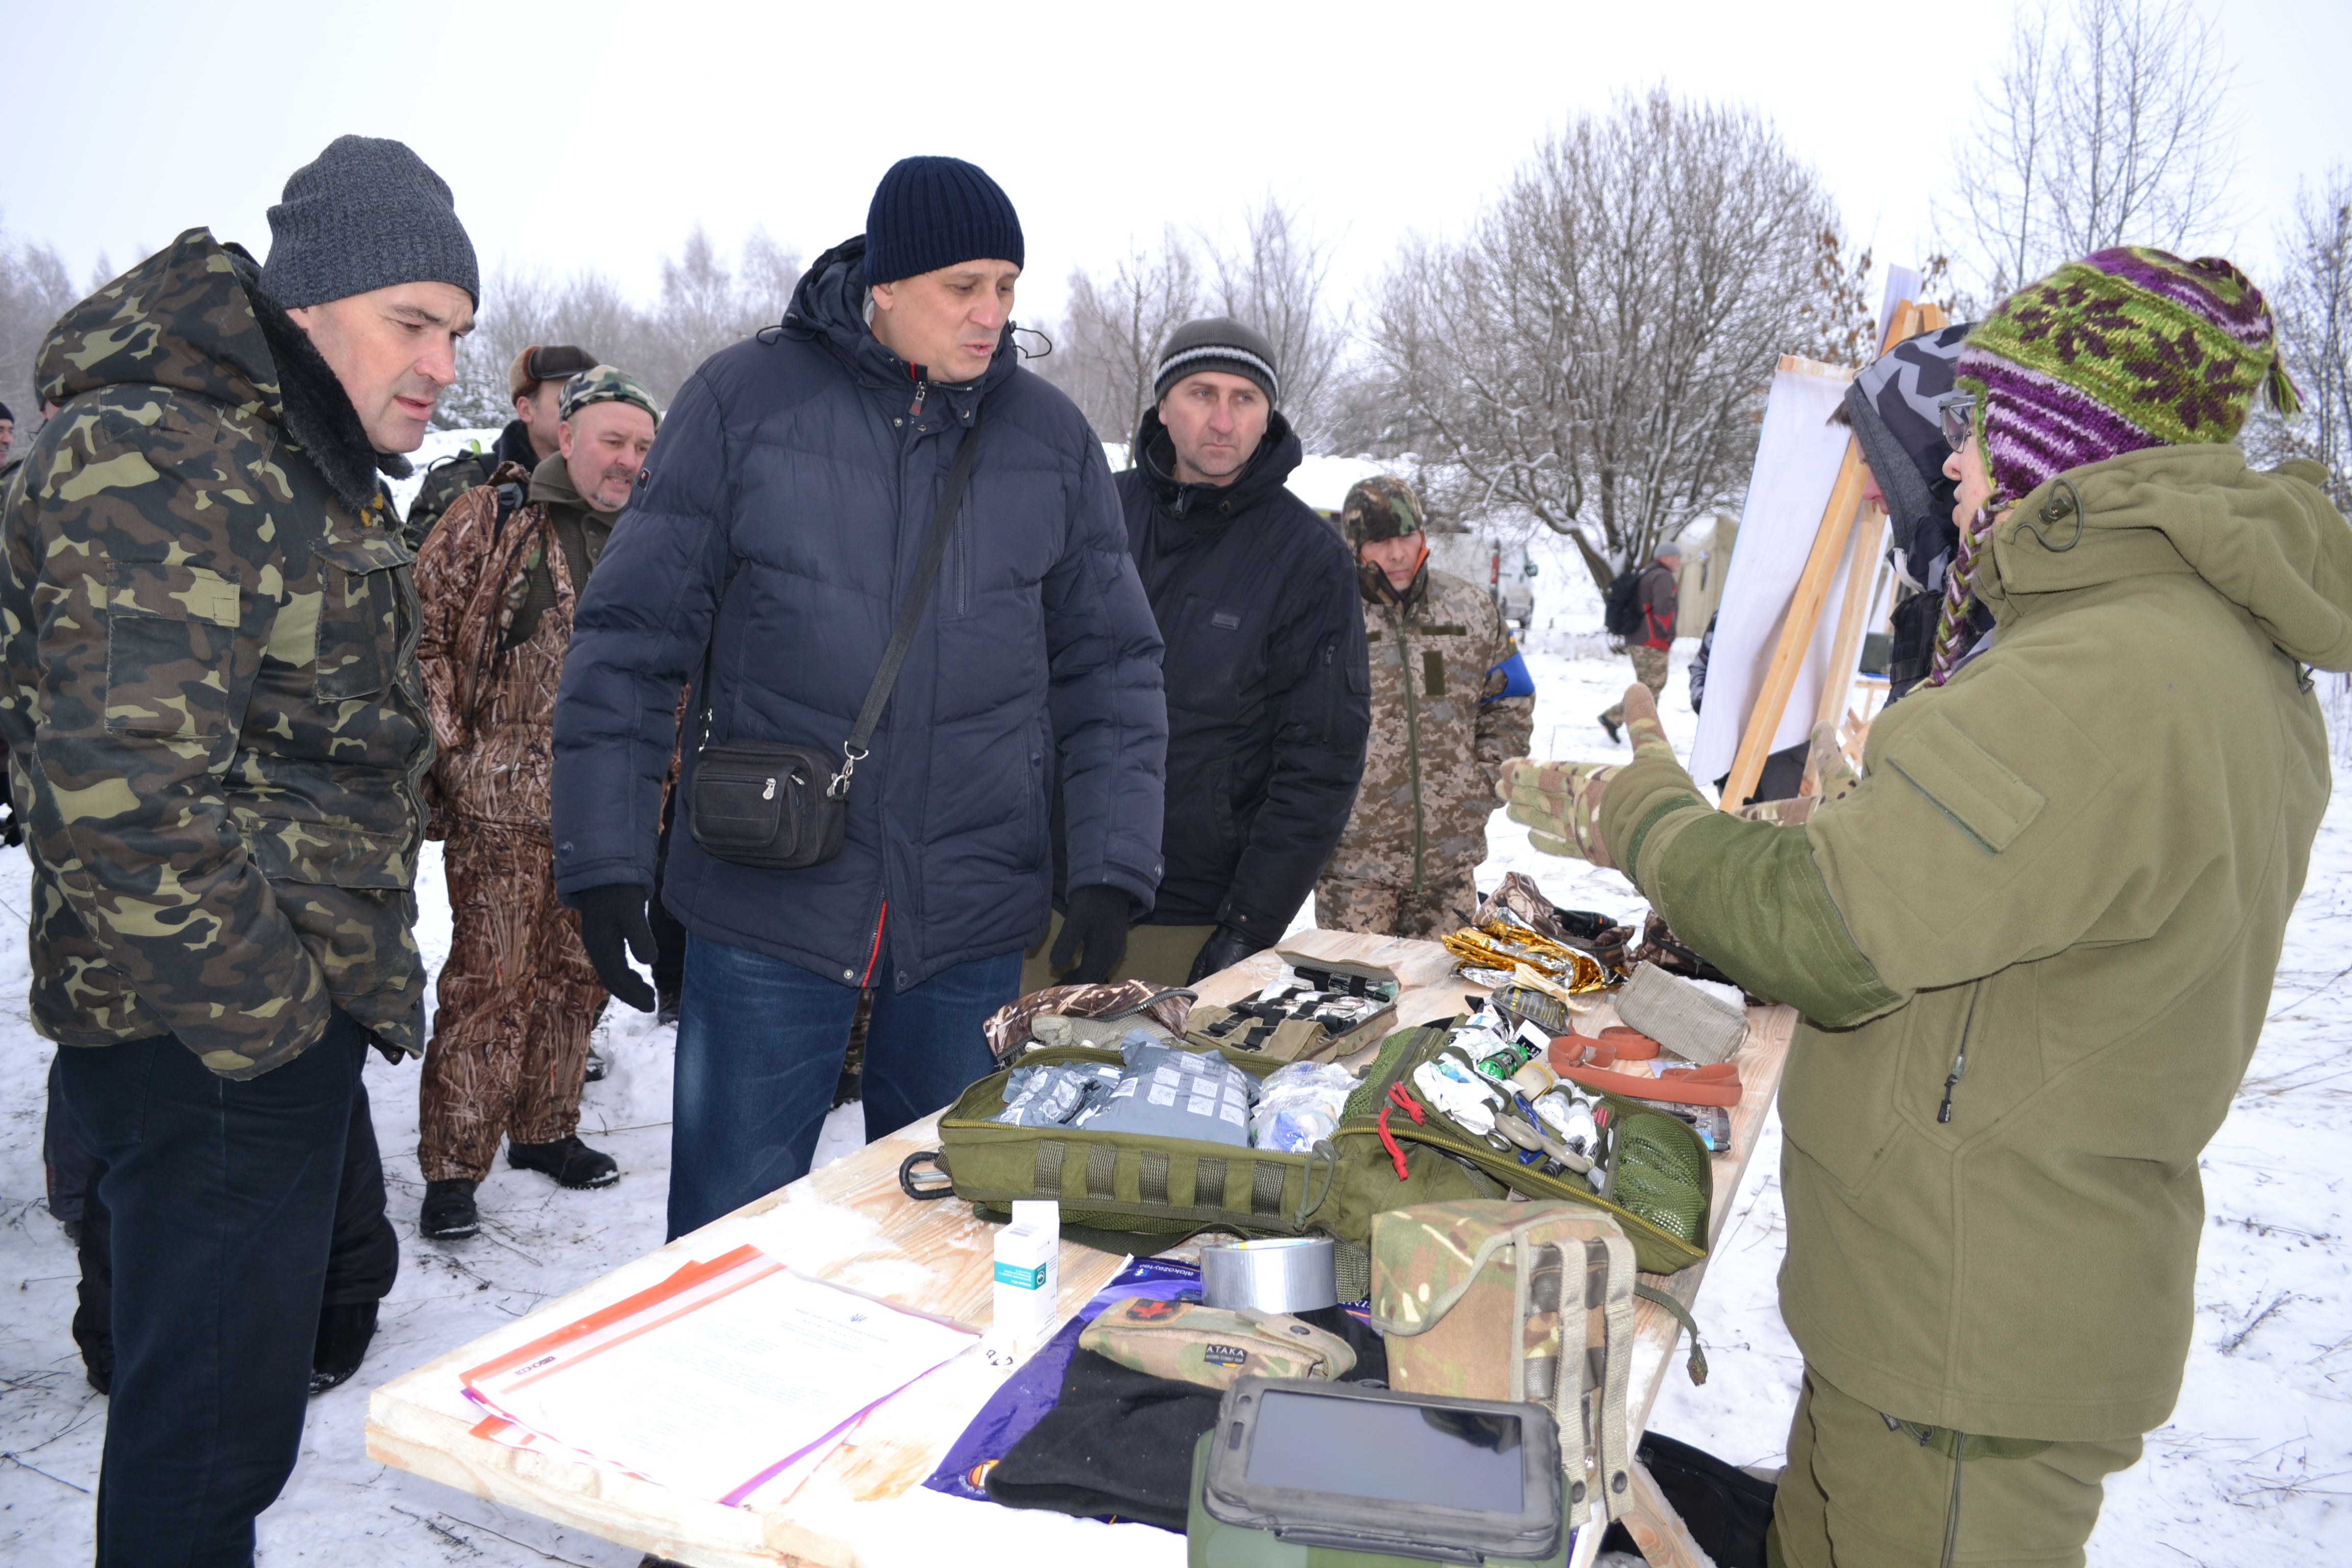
(1559, 802)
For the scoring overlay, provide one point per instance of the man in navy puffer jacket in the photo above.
(774, 531)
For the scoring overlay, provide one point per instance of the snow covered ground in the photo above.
(2256, 1466)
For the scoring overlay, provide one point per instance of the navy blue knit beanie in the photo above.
(929, 213)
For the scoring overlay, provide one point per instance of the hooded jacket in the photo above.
(211, 698)
(2034, 948)
(774, 530)
(1268, 694)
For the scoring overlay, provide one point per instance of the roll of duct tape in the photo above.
(1281, 1274)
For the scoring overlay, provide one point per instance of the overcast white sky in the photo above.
(594, 133)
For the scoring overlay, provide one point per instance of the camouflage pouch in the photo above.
(1213, 1347)
(1525, 1302)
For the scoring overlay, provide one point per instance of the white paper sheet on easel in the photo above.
(1798, 455)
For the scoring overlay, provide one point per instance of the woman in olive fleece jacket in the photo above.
(2033, 951)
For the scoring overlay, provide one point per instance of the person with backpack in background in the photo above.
(1641, 609)
(498, 580)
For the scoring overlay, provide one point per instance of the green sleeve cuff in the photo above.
(1748, 896)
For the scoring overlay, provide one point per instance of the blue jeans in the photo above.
(760, 1049)
(222, 1198)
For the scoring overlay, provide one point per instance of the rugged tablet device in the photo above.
(1299, 1473)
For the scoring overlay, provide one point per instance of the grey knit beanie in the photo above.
(1218, 342)
(365, 213)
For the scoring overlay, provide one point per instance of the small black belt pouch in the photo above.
(764, 804)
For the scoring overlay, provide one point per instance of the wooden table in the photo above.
(849, 1224)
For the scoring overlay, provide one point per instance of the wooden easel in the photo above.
(1805, 604)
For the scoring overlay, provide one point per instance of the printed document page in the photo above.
(717, 1381)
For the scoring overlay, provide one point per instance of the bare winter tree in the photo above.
(2313, 302)
(1274, 275)
(704, 306)
(1593, 353)
(35, 290)
(1275, 278)
(1109, 341)
(2107, 126)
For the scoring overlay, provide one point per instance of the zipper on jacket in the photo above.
(874, 955)
(1960, 1061)
(1411, 742)
(922, 390)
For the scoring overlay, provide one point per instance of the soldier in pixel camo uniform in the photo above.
(517, 993)
(1451, 701)
(215, 725)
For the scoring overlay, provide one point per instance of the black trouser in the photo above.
(362, 1265)
(222, 1199)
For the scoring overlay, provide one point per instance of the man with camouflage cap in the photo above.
(535, 382)
(518, 996)
(1451, 701)
(215, 722)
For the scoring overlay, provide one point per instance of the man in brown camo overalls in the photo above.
(499, 578)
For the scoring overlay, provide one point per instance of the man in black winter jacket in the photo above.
(1269, 696)
(770, 546)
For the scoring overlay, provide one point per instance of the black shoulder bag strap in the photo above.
(910, 614)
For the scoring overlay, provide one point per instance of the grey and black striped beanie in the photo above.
(1218, 342)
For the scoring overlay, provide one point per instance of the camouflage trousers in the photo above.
(1650, 669)
(517, 1000)
(1448, 896)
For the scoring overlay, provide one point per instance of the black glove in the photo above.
(1224, 948)
(1096, 920)
(610, 916)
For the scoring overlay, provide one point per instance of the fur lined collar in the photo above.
(318, 412)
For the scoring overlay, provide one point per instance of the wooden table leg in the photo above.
(1657, 1529)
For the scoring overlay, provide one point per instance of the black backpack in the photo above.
(1621, 615)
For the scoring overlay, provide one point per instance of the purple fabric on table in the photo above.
(1024, 1398)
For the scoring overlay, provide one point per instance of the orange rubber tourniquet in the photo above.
(1715, 1084)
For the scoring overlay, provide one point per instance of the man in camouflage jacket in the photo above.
(215, 722)
(1451, 701)
(517, 993)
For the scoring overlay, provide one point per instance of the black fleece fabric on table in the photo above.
(1119, 1443)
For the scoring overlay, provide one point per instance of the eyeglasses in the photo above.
(1959, 411)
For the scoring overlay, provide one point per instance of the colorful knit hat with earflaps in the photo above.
(2123, 349)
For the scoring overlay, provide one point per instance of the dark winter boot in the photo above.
(1609, 724)
(448, 1213)
(665, 1006)
(596, 1068)
(342, 1342)
(572, 1162)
